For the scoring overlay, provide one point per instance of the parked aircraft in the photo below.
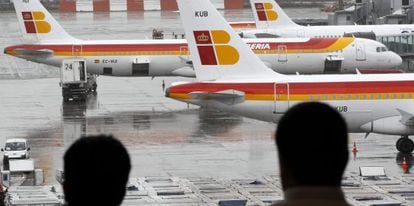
(272, 21)
(231, 78)
(171, 57)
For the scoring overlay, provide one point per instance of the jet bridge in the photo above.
(401, 44)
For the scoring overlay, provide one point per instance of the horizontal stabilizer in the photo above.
(40, 52)
(406, 118)
(226, 96)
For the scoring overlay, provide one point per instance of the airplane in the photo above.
(52, 44)
(232, 79)
(272, 21)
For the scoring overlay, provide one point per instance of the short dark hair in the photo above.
(312, 141)
(96, 170)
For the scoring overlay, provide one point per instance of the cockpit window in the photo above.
(382, 49)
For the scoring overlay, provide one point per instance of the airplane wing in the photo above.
(406, 118)
(184, 72)
(226, 96)
(186, 60)
(40, 52)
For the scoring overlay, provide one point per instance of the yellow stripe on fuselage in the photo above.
(339, 45)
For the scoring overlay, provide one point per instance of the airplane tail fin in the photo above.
(217, 51)
(268, 14)
(36, 23)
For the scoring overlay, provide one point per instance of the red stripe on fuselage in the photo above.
(311, 44)
(301, 88)
(105, 47)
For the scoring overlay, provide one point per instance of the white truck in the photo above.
(76, 83)
(16, 148)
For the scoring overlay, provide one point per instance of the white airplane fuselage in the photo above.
(171, 57)
(332, 31)
(354, 96)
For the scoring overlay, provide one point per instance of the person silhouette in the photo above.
(96, 170)
(312, 143)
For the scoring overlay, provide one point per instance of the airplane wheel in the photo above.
(397, 144)
(405, 145)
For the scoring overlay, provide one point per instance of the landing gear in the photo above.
(405, 145)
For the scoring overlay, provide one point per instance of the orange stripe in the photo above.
(325, 88)
(311, 46)
(315, 97)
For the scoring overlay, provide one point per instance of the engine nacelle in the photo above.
(390, 125)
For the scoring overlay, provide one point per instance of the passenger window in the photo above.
(378, 49)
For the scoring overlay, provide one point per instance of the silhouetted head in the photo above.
(312, 141)
(96, 171)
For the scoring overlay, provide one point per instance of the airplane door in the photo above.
(281, 98)
(360, 51)
(185, 54)
(76, 50)
(184, 51)
(282, 51)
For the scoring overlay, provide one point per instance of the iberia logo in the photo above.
(265, 12)
(34, 22)
(213, 48)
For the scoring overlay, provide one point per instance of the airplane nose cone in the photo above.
(398, 60)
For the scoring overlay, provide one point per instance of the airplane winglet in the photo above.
(406, 117)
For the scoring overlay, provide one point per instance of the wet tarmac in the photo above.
(165, 138)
